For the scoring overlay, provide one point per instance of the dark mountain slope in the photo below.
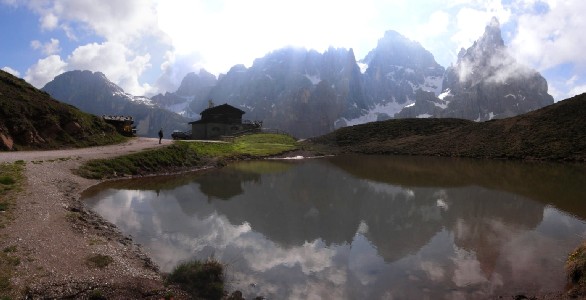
(555, 132)
(31, 119)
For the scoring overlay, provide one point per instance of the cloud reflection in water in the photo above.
(319, 229)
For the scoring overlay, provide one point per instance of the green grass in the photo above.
(176, 156)
(99, 261)
(8, 262)
(202, 280)
(7, 180)
(11, 182)
(258, 145)
(185, 155)
(264, 144)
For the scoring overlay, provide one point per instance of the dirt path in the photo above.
(55, 237)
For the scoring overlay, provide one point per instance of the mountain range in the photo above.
(307, 93)
(92, 92)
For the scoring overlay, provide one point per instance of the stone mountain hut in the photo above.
(221, 120)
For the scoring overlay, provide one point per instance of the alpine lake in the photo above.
(362, 227)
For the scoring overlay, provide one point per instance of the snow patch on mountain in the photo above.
(445, 94)
(136, 99)
(363, 67)
(423, 116)
(248, 107)
(180, 108)
(315, 79)
(389, 109)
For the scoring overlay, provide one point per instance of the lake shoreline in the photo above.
(55, 237)
(80, 233)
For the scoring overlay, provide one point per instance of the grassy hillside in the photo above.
(31, 119)
(555, 132)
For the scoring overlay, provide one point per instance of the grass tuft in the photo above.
(576, 271)
(202, 280)
(99, 261)
(7, 180)
(11, 181)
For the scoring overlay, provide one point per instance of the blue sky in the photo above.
(147, 46)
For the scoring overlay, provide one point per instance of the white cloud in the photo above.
(572, 80)
(552, 38)
(437, 24)
(124, 25)
(120, 64)
(48, 48)
(174, 69)
(577, 90)
(11, 71)
(11, 3)
(113, 20)
(218, 34)
(49, 21)
(471, 22)
(226, 33)
(554, 90)
(45, 70)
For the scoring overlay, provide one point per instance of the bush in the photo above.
(576, 271)
(7, 180)
(200, 279)
(99, 261)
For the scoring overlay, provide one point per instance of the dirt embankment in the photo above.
(58, 241)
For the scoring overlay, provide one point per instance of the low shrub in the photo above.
(7, 180)
(200, 279)
(99, 261)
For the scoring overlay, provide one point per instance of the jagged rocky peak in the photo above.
(492, 38)
(395, 49)
(487, 82)
(192, 82)
(486, 59)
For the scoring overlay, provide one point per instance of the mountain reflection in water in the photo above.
(362, 227)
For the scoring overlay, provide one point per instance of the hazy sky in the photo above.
(147, 46)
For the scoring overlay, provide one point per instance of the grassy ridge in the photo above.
(187, 155)
(31, 119)
(556, 132)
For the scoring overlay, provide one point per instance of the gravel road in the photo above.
(55, 236)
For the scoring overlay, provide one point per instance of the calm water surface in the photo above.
(362, 227)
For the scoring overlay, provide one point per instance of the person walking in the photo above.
(160, 134)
